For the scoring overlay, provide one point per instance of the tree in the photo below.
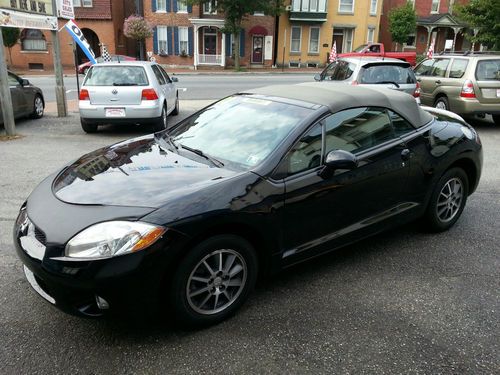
(402, 23)
(136, 27)
(235, 11)
(483, 15)
(10, 38)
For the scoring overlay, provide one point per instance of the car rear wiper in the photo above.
(391, 82)
(214, 161)
(125, 84)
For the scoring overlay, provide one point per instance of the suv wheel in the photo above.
(442, 103)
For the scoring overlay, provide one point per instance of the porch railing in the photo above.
(210, 59)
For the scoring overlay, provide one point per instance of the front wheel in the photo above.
(38, 107)
(213, 280)
(447, 201)
(175, 112)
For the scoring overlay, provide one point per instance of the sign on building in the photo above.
(11, 18)
(40, 7)
(65, 9)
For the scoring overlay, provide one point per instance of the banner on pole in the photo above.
(79, 38)
(11, 18)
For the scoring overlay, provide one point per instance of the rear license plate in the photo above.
(115, 112)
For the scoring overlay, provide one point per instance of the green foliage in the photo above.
(402, 22)
(10, 36)
(485, 16)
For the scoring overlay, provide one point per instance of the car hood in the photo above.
(138, 172)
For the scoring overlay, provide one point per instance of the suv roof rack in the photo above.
(469, 53)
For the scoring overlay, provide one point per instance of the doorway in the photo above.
(93, 41)
(209, 41)
(257, 45)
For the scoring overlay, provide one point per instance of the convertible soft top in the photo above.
(340, 97)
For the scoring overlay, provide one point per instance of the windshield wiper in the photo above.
(165, 138)
(214, 161)
(125, 84)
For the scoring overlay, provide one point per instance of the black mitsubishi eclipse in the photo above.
(189, 218)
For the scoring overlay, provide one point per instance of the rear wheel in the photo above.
(496, 118)
(442, 103)
(38, 107)
(161, 123)
(448, 200)
(87, 127)
(175, 112)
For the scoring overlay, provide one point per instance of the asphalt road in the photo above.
(402, 302)
(198, 86)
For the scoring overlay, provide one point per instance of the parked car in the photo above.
(378, 50)
(127, 92)
(467, 84)
(82, 68)
(368, 71)
(256, 182)
(27, 100)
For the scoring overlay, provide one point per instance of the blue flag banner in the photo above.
(77, 35)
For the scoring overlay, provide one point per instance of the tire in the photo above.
(175, 112)
(161, 123)
(202, 295)
(442, 103)
(38, 107)
(87, 127)
(496, 118)
(443, 211)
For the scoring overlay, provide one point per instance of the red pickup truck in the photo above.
(377, 49)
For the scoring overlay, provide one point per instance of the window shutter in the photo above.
(228, 45)
(169, 40)
(242, 43)
(153, 5)
(176, 40)
(174, 5)
(190, 41)
(168, 5)
(190, 8)
(155, 41)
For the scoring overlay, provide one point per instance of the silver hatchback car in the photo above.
(127, 92)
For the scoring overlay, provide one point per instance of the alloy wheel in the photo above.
(450, 199)
(441, 105)
(38, 106)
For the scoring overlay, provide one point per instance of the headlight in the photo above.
(113, 238)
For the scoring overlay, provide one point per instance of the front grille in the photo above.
(40, 236)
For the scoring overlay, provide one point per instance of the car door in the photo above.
(19, 102)
(170, 89)
(422, 72)
(322, 213)
(162, 83)
(437, 81)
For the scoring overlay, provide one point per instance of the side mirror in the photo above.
(317, 77)
(174, 79)
(338, 159)
(25, 82)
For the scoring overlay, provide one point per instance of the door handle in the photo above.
(438, 81)
(405, 154)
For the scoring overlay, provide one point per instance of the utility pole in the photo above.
(62, 110)
(5, 97)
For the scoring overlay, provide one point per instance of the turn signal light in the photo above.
(468, 90)
(84, 94)
(416, 93)
(149, 94)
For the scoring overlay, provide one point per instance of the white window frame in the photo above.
(77, 3)
(183, 32)
(346, 11)
(296, 5)
(161, 8)
(87, 3)
(347, 47)
(373, 7)
(437, 8)
(300, 39)
(310, 35)
(182, 6)
(162, 32)
(258, 13)
(412, 3)
(371, 30)
(210, 7)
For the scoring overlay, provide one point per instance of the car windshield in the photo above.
(488, 70)
(241, 130)
(385, 73)
(116, 76)
(360, 48)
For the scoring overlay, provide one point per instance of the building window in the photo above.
(435, 6)
(346, 6)
(182, 7)
(258, 13)
(410, 42)
(162, 39)
(77, 3)
(314, 40)
(348, 36)
(373, 7)
(371, 34)
(309, 5)
(210, 7)
(295, 39)
(161, 5)
(183, 40)
(33, 40)
(412, 3)
(87, 3)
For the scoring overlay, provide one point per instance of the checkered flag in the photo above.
(333, 52)
(104, 53)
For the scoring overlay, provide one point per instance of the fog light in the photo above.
(101, 303)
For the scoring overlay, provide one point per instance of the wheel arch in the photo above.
(470, 169)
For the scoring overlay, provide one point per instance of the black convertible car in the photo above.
(256, 182)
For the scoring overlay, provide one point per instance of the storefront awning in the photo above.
(258, 30)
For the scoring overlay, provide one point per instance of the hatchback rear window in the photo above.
(386, 73)
(116, 76)
(488, 70)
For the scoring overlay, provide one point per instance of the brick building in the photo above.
(191, 36)
(101, 22)
(435, 21)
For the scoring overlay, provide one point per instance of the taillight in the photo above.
(468, 90)
(416, 93)
(354, 83)
(84, 95)
(149, 94)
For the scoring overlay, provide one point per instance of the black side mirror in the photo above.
(25, 82)
(338, 159)
(317, 77)
(174, 79)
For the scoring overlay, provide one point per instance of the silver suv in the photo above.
(127, 92)
(467, 84)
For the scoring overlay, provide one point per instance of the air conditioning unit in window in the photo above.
(288, 8)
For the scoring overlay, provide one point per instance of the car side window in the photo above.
(458, 67)
(329, 72)
(357, 129)
(344, 71)
(400, 125)
(439, 68)
(158, 75)
(13, 80)
(164, 73)
(306, 153)
(424, 69)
